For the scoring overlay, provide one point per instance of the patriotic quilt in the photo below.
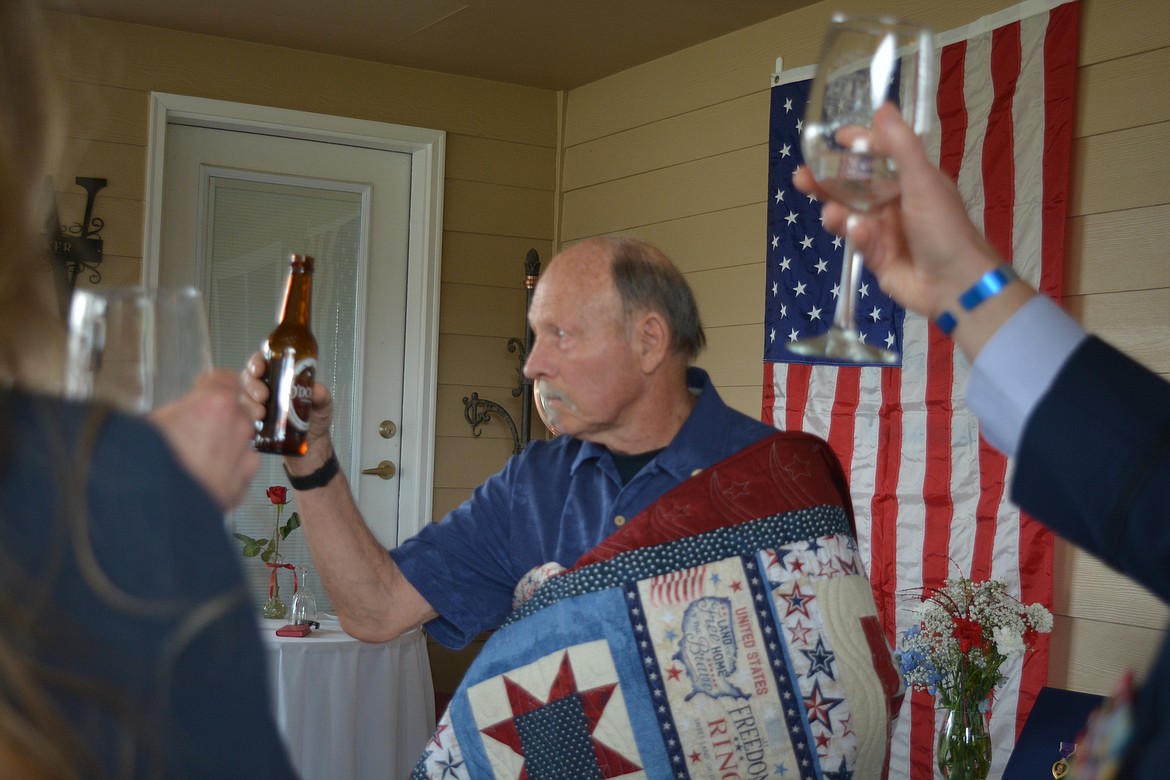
(729, 630)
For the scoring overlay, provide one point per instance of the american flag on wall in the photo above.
(931, 497)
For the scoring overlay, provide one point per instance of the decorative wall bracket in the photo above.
(478, 411)
(78, 246)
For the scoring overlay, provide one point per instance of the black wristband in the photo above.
(319, 478)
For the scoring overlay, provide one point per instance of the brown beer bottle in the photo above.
(291, 352)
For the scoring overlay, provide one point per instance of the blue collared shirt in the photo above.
(553, 502)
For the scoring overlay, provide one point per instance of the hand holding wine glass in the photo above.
(148, 352)
(923, 247)
(135, 348)
(865, 64)
(211, 431)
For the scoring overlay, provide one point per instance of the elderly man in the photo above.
(616, 329)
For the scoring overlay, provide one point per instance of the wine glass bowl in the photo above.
(135, 348)
(864, 64)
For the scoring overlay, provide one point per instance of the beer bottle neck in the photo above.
(297, 299)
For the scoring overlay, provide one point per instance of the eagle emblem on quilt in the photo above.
(728, 631)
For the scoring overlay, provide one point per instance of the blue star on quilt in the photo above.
(841, 773)
(556, 735)
(820, 660)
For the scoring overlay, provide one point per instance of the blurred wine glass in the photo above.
(864, 64)
(135, 348)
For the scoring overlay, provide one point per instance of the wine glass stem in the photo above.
(844, 318)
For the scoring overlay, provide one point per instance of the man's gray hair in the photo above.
(646, 280)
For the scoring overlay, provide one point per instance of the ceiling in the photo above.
(551, 44)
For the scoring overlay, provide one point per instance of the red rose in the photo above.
(278, 494)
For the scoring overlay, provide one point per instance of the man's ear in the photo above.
(651, 340)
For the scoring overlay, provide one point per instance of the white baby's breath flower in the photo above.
(1039, 617)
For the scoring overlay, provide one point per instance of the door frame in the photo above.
(427, 149)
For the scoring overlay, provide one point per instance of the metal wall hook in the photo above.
(478, 411)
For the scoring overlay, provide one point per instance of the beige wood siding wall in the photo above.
(499, 187)
(675, 151)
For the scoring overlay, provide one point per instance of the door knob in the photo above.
(385, 470)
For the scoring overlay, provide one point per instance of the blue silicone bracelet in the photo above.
(988, 286)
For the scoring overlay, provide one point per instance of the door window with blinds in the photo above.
(253, 227)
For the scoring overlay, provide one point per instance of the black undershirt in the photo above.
(629, 465)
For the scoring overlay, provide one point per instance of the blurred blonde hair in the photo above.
(31, 332)
(35, 739)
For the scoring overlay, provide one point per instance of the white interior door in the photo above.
(235, 205)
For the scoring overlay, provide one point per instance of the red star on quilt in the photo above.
(818, 706)
(797, 600)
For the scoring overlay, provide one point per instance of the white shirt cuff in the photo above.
(1016, 367)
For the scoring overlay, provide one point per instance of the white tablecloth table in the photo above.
(347, 709)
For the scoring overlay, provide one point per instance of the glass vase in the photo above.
(274, 608)
(964, 745)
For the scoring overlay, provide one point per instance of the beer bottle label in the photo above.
(301, 393)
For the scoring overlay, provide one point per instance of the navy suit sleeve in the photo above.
(1094, 462)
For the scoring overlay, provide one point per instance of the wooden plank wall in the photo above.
(675, 151)
(499, 186)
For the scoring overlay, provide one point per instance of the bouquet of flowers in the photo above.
(965, 631)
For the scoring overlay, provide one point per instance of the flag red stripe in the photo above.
(844, 416)
(922, 712)
(938, 506)
(796, 396)
(1036, 541)
(992, 476)
(883, 565)
(999, 172)
(940, 350)
(952, 113)
(999, 167)
(768, 410)
(1060, 78)
(936, 488)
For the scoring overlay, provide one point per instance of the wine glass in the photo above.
(864, 64)
(304, 603)
(135, 348)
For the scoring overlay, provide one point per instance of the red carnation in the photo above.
(969, 633)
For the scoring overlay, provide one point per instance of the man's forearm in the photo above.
(374, 602)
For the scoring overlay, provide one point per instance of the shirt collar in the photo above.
(701, 433)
